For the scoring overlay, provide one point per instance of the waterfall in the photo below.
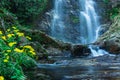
(57, 26)
(89, 24)
(87, 28)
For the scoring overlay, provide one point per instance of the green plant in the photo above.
(25, 10)
(106, 1)
(114, 12)
(15, 53)
(74, 19)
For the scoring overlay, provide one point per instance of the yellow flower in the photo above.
(5, 60)
(8, 50)
(33, 53)
(29, 47)
(20, 34)
(1, 78)
(12, 43)
(3, 37)
(28, 37)
(18, 50)
(10, 35)
(1, 32)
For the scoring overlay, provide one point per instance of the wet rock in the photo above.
(80, 50)
(110, 40)
(103, 28)
(37, 74)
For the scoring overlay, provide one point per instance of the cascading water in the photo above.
(88, 27)
(89, 24)
(57, 21)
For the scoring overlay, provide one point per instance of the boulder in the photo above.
(80, 50)
(110, 40)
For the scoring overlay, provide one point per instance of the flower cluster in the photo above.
(11, 50)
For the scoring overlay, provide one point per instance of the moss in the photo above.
(75, 19)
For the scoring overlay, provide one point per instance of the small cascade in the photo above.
(96, 51)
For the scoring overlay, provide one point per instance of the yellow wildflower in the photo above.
(20, 34)
(33, 53)
(8, 50)
(1, 32)
(10, 35)
(1, 78)
(12, 43)
(29, 47)
(5, 60)
(28, 37)
(18, 50)
(3, 37)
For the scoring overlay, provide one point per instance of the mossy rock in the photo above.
(110, 40)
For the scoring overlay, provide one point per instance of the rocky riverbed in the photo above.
(105, 67)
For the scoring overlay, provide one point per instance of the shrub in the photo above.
(15, 53)
(25, 10)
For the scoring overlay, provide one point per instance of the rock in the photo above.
(80, 50)
(110, 40)
(37, 74)
(104, 28)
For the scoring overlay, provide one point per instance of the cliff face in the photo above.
(110, 40)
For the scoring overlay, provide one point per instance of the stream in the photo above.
(98, 68)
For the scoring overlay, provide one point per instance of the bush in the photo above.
(15, 53)
(25, 10)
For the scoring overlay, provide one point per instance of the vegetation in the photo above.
(25, 10)
(113, 11)
(75, 19)
(16, 52)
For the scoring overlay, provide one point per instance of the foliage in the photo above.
(114, 12)
(7, 19)
(25, 10)
(106, 1)
(14, 53)
(75, 19)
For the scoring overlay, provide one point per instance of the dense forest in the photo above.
(59, 39)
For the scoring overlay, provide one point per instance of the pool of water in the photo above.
(82, 69)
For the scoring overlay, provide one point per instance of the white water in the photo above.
(89, 26)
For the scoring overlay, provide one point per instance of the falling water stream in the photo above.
(57, 21)
(89, 25)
